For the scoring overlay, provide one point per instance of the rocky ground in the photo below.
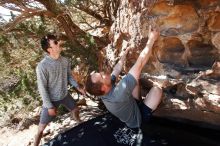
(22, 133)
(195, 97)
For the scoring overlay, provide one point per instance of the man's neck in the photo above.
(108, 90)
(54, 56)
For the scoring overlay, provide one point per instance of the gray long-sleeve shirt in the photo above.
(53, 76)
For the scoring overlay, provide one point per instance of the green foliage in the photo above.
(19, 55)
(6, 55)
(62, 110)
(87, 56)
(26, 86)
(20, 51)
(92, 60)
(3, 40)
(3, 44)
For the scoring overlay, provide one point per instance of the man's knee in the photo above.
(41, 128)
(154, 97)
(157, 90)
(76, 108)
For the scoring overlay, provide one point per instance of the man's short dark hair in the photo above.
(93, 88)
(45, 41)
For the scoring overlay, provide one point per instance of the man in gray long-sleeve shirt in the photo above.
(53, 76)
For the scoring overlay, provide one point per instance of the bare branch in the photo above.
(14, 2)
(94, 28)
(12, 8)
(51, 5)
(94, 14)
(86, 22)
(26, 15)
(18, 6)
(35, 5)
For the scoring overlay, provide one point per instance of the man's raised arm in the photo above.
(118, 67)
(145, 54)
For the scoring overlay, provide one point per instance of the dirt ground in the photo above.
(14, 135)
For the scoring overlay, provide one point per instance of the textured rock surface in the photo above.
(186, 55)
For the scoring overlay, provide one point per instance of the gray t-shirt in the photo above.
(53, 76)
(120, 102)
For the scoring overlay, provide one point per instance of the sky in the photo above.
(5, 13)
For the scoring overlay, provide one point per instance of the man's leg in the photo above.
(70, 104)
(39, 134)
(45, 118)
(75, 114)
(153, 98)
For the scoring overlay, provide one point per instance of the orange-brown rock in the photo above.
(214, 22)
(208, 3)
(216, 41)
(216, 69)
(201, 54)
(171, 51)
(189, 43)
(182, 19)
(213, 73)
(161, 8)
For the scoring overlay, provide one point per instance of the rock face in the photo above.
(181, 19)
(171, 47)
(187, 54)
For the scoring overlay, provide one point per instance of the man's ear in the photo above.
(49, 50)
(103, 88)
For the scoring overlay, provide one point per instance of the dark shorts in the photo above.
(146, 112)
(68, 102)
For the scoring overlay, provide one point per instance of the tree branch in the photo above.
(94, 14)
(12, 8)
(24, 16)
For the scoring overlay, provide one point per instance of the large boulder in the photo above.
(185, 58)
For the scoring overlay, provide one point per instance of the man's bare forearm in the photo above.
(118, 67)
(145, 54)
(142, 59)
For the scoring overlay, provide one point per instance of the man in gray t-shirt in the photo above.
(53, 76)
(121, 102)
(122, 99)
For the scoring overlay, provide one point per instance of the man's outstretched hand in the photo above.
(153, 33)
